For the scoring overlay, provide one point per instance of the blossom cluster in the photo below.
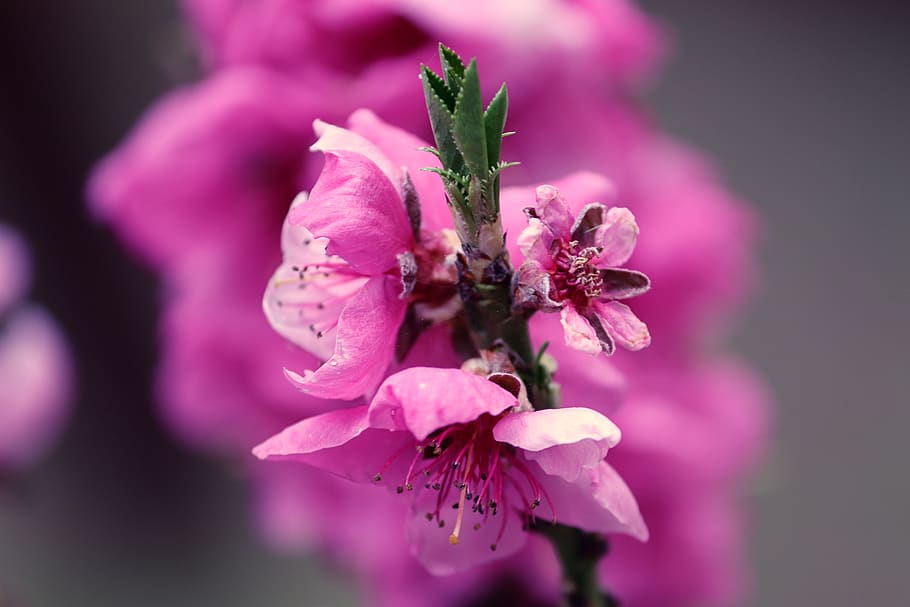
(355, 265)
(201, 187)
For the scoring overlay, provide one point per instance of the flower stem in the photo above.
(468, 141)
(579, 552)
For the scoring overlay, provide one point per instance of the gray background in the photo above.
(802, 105)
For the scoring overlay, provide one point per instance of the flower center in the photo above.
(436, 275)
(469, 469)
(576, 278)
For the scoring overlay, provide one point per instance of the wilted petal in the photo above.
(563, 442)
(617, 236)
(360, 211)
(578, 331)
(619, 283)
(587, 224)
(531, 290)
(341, 442)
(364, 343)
(622, 324)
(424, 399)
(598, 501)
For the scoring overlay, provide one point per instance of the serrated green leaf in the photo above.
(468, 124)
(441, 120)
(494, 121)
(452, 68)
(432, 82)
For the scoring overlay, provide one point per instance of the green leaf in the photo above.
(441, 120)
(452, 68)
(468, 124)
(433, 83)
(494, 121)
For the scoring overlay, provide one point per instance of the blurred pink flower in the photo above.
(369, 42)
(35, 366)
(476, 446)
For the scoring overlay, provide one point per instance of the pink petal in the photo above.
(617, 236)
(577, 189)
(622, 324)
(333, 139)
(404, 150)
(424, 399)
(360, 211)
(341, 442)
(431, 546)
(552, 210)
(304, 306)
(563, 442)
(578, 331)
(364, 344)
(534, 243)
(599, 501)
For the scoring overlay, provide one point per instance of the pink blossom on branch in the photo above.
(358, 250)
(459, 441)
(572, 265)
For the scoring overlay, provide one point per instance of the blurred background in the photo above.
(801, 105)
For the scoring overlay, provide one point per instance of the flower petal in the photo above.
(337, 139)
(617, 236)
(587, 224)
(404, 150)
(341, 442)
(431, 546)
(302, 303)
(364, 343)
(360, 211)
(424, 399)
(578, 331)
(534, 243)
(619, 283)
(622, 324)
(576, 187)
(552, 210)
(563, 442)
(599, 501)
(531, 288)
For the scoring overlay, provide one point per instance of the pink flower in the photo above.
(572, 265)
(355, 256)
(35, 367)
(478, 452)
(376, 40)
